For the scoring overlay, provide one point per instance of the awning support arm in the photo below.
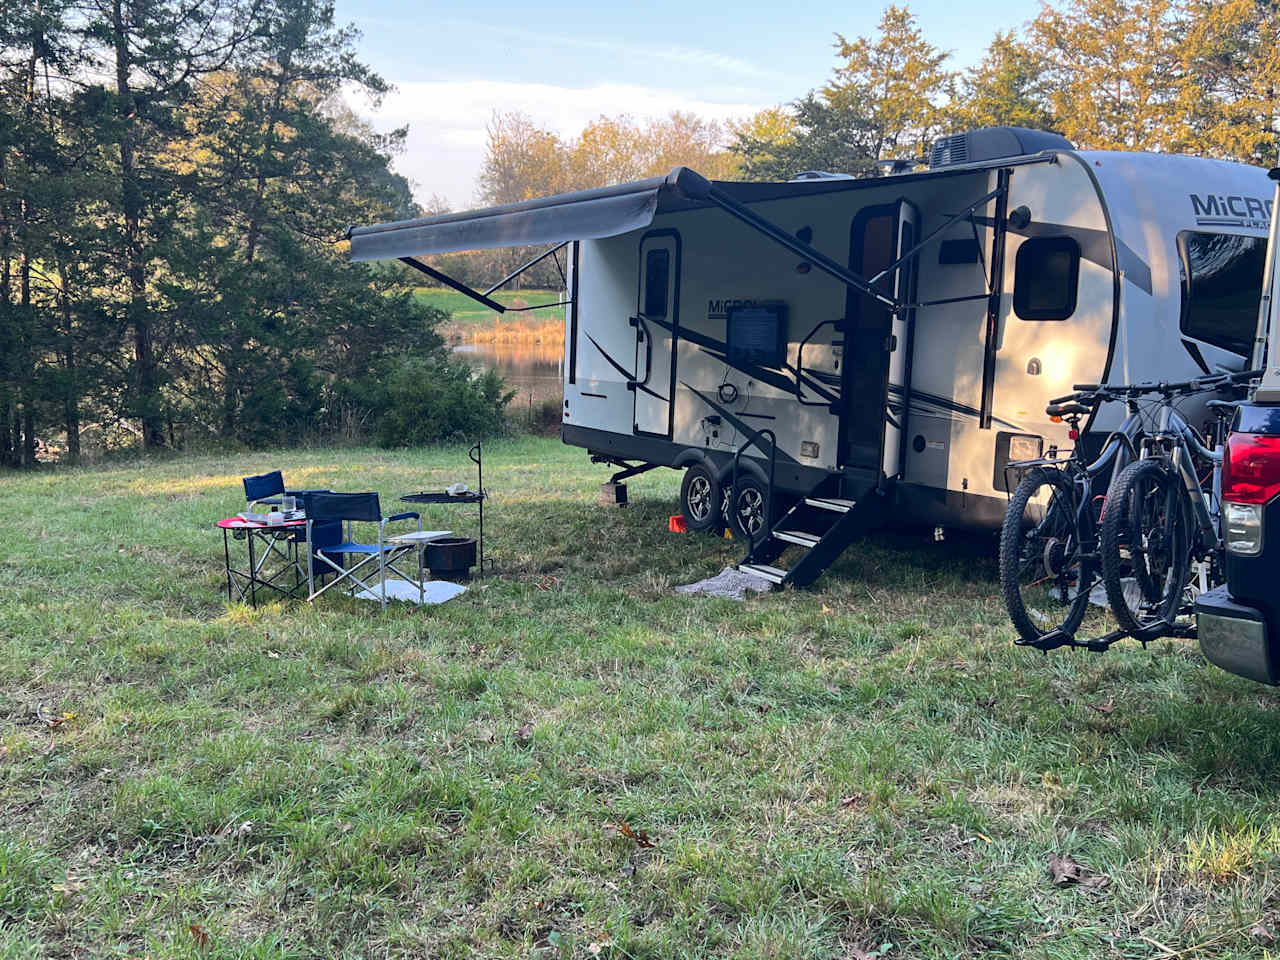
(519, 270)
(697, 187)
(966, 212)
(448, 281)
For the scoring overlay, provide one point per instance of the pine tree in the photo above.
(1006, 88)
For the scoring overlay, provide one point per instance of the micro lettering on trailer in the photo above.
(719, 309)
(1219, 210)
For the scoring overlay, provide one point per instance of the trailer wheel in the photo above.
(747, 518)
(701, 500)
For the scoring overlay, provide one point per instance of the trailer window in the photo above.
(657, 275)
(1046, 278)
(1221, 288)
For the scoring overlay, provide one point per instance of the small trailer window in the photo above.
(1046, 278)
(1221, 287)
(657, 275)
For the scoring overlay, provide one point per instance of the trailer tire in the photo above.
(701, 500)
(746, 507)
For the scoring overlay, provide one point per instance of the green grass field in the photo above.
(464, 311)
(869, 768)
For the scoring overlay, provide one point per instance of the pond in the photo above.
(535, 370)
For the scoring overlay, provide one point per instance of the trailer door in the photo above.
(657, 329)
(876, 342)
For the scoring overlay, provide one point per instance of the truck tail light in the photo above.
(1250, 478)
(1251, 468)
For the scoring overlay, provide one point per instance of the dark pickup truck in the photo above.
(1239, 622)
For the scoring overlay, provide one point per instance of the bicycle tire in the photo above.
(1126, 522)
(1017, 548)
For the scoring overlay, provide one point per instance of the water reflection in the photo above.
(534, 370)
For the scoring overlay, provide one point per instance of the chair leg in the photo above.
(311, 572)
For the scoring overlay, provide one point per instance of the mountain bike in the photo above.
(1049, 562)
(1163, 514)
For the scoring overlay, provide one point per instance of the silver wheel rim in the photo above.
(751, 510)
(699, 498)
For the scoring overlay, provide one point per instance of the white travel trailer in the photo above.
(876, 350)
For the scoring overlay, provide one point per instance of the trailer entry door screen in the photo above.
(757, 334)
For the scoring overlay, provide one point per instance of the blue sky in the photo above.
(566, 63)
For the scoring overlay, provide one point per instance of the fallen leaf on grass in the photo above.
(199, 934)
(1261, 934)
(72, 885)
(1108, 707)
(639, 836)
(53, 721)
(525, 733)
(596, 946)
(852, 800)
(825, 608)
(1065, 871)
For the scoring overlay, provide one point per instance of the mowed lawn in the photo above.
(571, 761)
(465, 312)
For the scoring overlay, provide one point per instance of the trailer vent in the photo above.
(992, 143)
(948, 150)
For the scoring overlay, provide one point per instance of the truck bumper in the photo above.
(1234, 636)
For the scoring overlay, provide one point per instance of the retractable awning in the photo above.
(584, 215)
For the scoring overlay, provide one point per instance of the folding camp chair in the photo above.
(331, 547)
(264, 488)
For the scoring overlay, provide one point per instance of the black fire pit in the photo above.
(451, 558)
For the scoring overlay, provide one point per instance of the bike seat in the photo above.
(1067, 410)
(1223, 405)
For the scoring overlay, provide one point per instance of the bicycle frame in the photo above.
(1178, 440)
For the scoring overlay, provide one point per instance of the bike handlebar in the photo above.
(1095, 393)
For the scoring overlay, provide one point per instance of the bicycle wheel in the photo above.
(1044, 576)
(1146, 547)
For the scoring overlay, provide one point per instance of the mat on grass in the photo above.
(730, 583)
(433, 591)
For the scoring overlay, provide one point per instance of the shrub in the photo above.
(421, 401)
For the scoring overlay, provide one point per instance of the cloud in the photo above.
(623, 51)
(447, 119)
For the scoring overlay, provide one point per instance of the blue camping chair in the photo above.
(264, 488)
(268, 488)
(333, 548)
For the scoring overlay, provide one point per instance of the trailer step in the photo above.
(830, 503)
(797, 536)
(772, 574)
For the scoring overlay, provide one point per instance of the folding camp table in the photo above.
(272, 537)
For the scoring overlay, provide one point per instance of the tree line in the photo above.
(173, 177)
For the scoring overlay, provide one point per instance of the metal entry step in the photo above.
(797, 536)
(830, 503)
(772, 574)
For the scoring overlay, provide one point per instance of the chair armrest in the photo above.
(402, 516)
